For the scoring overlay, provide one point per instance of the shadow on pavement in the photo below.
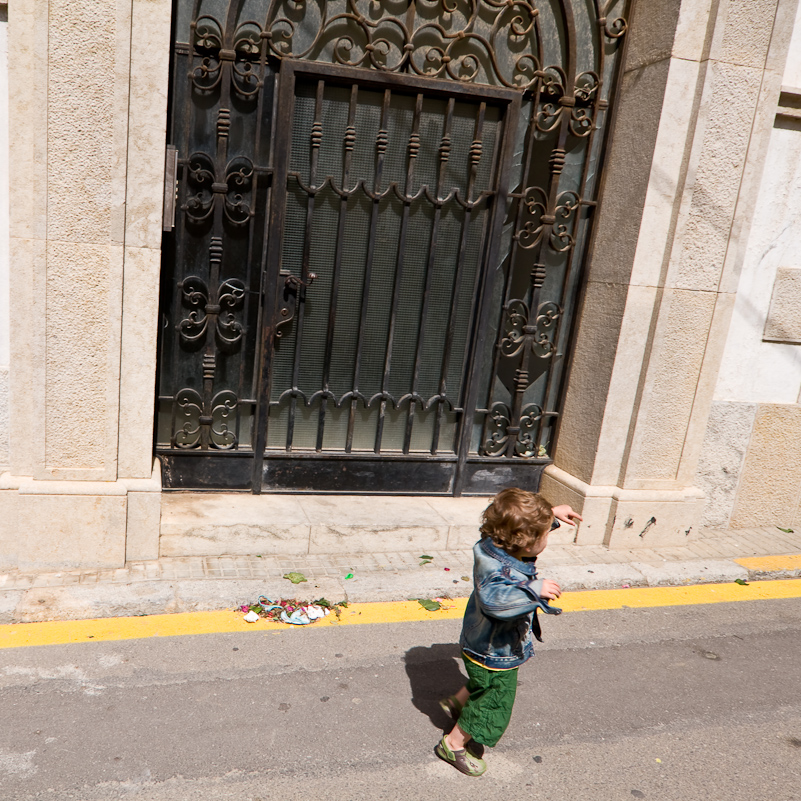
(434, 674)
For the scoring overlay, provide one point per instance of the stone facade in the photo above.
(658, 304)
(749, 468)
(657, 438)
(88, 101)
(4, 265)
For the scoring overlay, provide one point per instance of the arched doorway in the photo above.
(383, 211)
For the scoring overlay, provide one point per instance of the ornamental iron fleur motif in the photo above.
(503, 437)
(207, 311)
(496, 42)
(196, 421)
(521, 334)
(538, 216)
(232, 189)
(471, 48)
(231, 52)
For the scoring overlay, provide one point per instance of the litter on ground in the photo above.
(290, 610)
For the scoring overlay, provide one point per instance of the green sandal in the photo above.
(461, 759)
(451, 707)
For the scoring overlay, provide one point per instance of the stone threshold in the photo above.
(197, 524)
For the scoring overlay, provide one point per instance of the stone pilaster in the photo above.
(88, 89)
(697, 101)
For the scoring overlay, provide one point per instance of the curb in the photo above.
(160, 596)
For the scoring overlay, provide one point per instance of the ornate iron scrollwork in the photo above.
(216, 311)
(522, 334)
(193, 417)
(226, 51)
(484, 41)
(538, 219)
(222, 64)
(232, 189)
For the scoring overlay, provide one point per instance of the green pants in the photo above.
(488, 710)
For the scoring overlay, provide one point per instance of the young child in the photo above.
(500, 617)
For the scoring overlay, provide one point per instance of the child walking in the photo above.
(500, 617)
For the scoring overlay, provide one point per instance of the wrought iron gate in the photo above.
(383, 213)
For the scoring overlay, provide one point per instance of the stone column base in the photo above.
(63, 525)
(626, 518)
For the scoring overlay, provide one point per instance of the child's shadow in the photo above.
(434, 674)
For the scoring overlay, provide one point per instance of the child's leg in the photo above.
(462, 695)
(452, 705)
(488, 708)
(458, 738)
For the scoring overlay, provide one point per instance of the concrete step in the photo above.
(211, 524)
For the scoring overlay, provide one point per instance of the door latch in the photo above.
(294, 290)
(170, 188)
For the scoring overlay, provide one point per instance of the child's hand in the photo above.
(566, 514)
(550, 589)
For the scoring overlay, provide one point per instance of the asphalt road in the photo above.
(664, 703)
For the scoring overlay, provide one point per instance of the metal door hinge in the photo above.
(170, 188)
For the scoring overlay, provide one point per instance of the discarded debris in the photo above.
(786, 530)
(465, 578)
(741, 582)
(428, 605)
(295, 578)
(425, 559)
(349, 576)
(290, 610)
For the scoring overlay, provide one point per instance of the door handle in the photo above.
(294, 289)
(293, 282)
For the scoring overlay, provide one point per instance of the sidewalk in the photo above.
(185, 584)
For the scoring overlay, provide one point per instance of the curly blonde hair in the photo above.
(516, 519)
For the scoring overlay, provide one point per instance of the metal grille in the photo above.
(374, 264)
(393, 227)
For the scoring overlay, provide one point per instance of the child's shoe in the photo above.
(451, 706)
(461, 759)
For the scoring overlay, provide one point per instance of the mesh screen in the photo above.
(423, 294)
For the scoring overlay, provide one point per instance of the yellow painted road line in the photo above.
(61, 632)
(768, 563)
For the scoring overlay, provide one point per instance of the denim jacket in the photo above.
(502, 611)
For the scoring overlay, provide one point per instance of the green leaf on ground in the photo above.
(430, 606)
(741, 582)
(425, 556)
(786, 530)
(465, 578)
(295, 578)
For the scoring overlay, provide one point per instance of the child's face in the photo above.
(537, 548)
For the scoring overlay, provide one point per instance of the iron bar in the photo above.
(381, 149)
(316, 142)
(349, 143)
(275, 222)
(508, 128)
(475, 157)
(411, 159)
(444, 154)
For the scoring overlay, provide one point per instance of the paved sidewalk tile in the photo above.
(402, 573)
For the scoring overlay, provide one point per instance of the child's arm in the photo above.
(505, 599)
(565, 513)
(550, 589)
